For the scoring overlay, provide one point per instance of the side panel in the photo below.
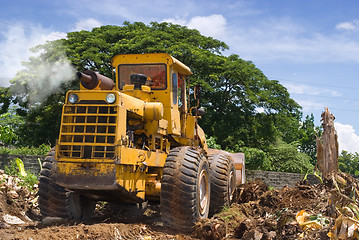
(141, 157)
(190, 126)
(132, 178)
(175, 121)
(121, 124)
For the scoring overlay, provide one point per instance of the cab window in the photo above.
(174, 88)
(156, 74)
(181, 87)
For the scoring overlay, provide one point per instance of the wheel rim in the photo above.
(203, 192)
(231, 186)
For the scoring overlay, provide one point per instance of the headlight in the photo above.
(73, 98)
(110, 98)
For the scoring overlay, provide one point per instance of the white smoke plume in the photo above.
(37, 83)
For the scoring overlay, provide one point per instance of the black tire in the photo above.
(185, 189)
(56, 201)
(223, 182)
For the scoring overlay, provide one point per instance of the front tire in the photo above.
(223, 182)
(57, 201)
(185, 188)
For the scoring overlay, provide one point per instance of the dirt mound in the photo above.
(251, 191)
(268, 214)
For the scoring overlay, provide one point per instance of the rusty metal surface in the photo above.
(87, 180)
(86, 175)
(91, 80)
(84, 77)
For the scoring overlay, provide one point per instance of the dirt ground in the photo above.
(259, 213)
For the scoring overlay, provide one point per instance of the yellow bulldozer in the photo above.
(133, 140)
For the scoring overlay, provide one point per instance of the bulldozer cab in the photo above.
(156, 77)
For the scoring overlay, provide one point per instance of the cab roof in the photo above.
(151, 58)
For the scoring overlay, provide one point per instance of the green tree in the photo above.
(10, 123)
(256, 159)
(307, 136)
(244, 105)
(5, 99)
(349, 162)
(285, 157)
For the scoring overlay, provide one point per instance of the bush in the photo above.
(285, 157)
(7, 135)
(9, 124)
(42, 150)
(28, 179)
(256, 159)
(212, 143)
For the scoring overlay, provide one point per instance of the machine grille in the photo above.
(88, 131)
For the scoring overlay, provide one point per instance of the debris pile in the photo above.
(18, 205)
(272, 214)
(344, 205)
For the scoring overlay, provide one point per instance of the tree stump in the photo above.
(327, 147)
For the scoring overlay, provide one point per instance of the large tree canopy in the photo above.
(243, 107)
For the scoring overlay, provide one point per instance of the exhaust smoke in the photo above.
(41, 79)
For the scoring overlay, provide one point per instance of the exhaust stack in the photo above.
(90, 80)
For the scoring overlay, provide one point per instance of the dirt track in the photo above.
(91, 231)
(105, 224)
(108, 226)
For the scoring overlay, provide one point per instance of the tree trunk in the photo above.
(327, 147)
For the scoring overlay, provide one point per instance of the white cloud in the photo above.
(179, 21)
(310, 90)
(348, 26)
(347, 138)
(277, 38)
(87, 24)
(310, 105)
(250, 31)
(302, 89)
(15, 45)
(212, 26)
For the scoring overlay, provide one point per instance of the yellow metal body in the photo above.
(116, 151)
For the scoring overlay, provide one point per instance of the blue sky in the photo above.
(311, 47)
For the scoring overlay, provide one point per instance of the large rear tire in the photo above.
(185, 188)
(56, 201)
(223, 182)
